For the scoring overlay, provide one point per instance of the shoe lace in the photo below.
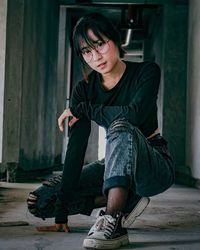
(53, 181)
(107, 224)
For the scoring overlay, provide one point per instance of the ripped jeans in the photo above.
(143, 166)
(136, 163)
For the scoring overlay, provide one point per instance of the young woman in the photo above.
(121, 97)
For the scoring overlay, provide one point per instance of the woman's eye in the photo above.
(86, 52)
(100, 44)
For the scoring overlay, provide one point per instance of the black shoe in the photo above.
(107, 233)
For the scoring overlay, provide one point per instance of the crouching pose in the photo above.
(121, 97)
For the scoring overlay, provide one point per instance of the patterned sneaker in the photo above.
(106, 233)
(128, 220)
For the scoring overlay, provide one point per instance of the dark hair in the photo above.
(100, 26)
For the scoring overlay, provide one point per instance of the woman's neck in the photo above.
(111, 79)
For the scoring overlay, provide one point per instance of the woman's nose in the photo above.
(96, 55)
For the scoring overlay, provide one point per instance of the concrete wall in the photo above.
(3, 16)
(13, 81)
(193, 91)
(168, 47)
(39, 85)
(174, 70)
(30, 119)
(153, 52)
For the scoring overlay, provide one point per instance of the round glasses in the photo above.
(100, 47)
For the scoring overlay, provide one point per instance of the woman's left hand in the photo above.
(54, 228)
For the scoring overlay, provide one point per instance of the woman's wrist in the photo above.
(74, 111)
(61, 218)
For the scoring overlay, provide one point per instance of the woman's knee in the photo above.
(122, 125)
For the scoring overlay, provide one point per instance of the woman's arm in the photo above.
(76, 148)
(79, 132)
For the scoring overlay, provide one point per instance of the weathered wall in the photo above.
(13, 81)
(3, 16)
(174, 70)
(31, 77)
(168, 47)
(153, 52)
(193, 90)
(39, 110)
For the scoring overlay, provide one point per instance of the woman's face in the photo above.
(103, 57)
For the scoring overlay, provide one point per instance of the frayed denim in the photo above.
(143, 166)
(131, 161)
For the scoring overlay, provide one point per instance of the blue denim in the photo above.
(143, 166)
(131, 161)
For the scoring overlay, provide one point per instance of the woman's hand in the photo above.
(54, 228)
(66, 114)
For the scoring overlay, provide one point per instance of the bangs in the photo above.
(84, 37)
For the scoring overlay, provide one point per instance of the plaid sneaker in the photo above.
(107, 233)
(139, 207)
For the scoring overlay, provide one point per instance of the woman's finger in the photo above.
(66, 113)
(54, 228)
(72, 121)
(47, 228)
(66, 228)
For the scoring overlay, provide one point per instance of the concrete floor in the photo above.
(171, 221)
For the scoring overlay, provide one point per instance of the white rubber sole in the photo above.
(106, 244)
(137, 211)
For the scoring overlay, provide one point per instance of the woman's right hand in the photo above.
(66, 114)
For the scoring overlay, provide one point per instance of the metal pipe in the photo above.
(128, 38)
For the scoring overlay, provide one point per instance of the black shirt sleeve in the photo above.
(138, 109)
(76, 148)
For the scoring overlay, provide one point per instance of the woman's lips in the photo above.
(101, 66)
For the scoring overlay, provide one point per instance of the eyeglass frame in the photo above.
(96, 49)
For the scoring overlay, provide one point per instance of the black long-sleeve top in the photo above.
(134, 98)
